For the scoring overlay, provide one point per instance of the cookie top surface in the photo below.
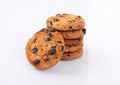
(65, 22)
(45, 48)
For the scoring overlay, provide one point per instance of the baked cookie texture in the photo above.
(73, 41)
(45, 48)
(72, 34)
(71, 27)
(73, 47)
(72, 55)
(66, 22)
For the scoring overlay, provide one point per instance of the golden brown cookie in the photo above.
(73, 41)
(45, 48)
(73, 47)
(72, 55)
(65, 22)
(73, 34)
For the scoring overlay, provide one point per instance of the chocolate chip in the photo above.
(51, 23)
(50, 34)
(34, 40)
(64, 14)
(70, 27)
(84, 30)
(35, 62)
(34, 50)
(68, 53)
(62, 48)
(59, 41)
(42, 30)
(52, 30)
(55, 20)
(46, 59)
(54, 46)
(79, 16)
(52, 51)
(48, 39)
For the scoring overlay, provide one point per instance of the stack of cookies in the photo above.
(62, 39)
(71, 27)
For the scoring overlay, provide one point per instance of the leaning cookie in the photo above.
(73, 34)
(65, 22)
(73, 47)
(72, 55)
(45, 48)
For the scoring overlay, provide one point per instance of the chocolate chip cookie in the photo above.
(73, 34)
(73, 47)
(73, 41)
(45, 48)
(66, 22)
(72, 55)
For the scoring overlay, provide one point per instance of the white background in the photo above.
(100, 64)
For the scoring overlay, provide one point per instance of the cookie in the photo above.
(65, 22)
(72, 55)
(45, 48)
(73, 34)
(73, 47)
(73, 41)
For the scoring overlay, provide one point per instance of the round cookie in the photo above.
(73, 41)
(72, 48)
(72, 34)
(45, 48)
(65, 22)
(72, 55)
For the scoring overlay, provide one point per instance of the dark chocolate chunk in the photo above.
(59, 41)
(42, 30)
(64, 14)
(36, 62)
(52, 30)
(79, 16)
(54, 46)
(34, 40)
(84, 30)
(46, 59)
(62, 48)
(52, 51)
(34, 50)
(48, 39)
(55, 20)
(68, 53)
(51, 23)
(70, 27)
(50, 34)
